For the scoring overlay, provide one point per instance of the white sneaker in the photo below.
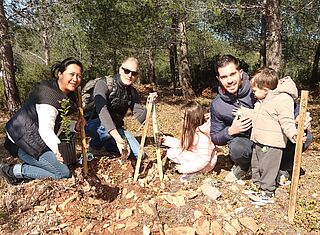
(262, 199)
(251, 192)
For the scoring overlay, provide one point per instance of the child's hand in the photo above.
(178, 168)
(307, 122)
(164, 140)
(237, 112)
(206, 116)
(170, 141)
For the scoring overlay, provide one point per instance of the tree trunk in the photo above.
(185, 70)
(274, 25)
(46, 46)
(6, 55)
(151, 69)
(315, 78)
(173, 65)
(263, 36)
(115, 61)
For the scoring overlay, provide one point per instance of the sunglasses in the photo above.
(127, 71)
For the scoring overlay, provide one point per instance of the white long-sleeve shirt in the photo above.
(47, 115)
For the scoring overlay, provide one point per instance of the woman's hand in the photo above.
(59, 157)
(81, 122)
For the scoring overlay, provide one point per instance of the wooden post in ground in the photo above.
(143, 138)
(151, 113)
(82, 133)
(156, 135)
(297, 155)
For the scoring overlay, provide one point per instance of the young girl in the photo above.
(194, 152)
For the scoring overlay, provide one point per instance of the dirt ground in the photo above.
(109, 201)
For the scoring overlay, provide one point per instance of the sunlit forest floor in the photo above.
(109, 201)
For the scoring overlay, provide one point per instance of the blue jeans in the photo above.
(101, 138)
(46, 167)
(240, 149)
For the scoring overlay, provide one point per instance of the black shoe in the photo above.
(6, 172)
(239, 173)
(283, 178)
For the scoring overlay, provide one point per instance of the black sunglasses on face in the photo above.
(127, 71)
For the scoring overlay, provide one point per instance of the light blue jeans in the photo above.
(101, 138)
(46, 167)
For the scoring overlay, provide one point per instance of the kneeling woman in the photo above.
(32, 132)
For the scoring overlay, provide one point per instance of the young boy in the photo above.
(272, 124)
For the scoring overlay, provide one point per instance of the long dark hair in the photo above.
(61, 66)
(193, 117)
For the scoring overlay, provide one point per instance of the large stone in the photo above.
(146, 208)
(216, 228)
(249, 223)
(176, 200)
(210, 191)
(202, 226)
(126, 213)
(146, 230)
(131, 225)
(197, 214)
(230, 229)
(235, 223)
(180, 231)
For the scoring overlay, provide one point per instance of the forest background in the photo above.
(177, 42)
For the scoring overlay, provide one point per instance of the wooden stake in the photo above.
(297, 155)
(82, 133)
(151, 110)
(143, 138)
(156, 135)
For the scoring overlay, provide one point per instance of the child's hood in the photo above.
(287, 85)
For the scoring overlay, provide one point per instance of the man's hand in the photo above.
(121, 144)
(59, 157)
(239, 125)
(152, 98)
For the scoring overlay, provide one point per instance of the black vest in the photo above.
(23, 127)
(119, 101)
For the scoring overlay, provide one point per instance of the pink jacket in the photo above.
(201, 158)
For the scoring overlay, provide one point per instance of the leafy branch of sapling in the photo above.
(65, 119)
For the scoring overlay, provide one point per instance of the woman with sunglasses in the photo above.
(32, 133)
(111, 105)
